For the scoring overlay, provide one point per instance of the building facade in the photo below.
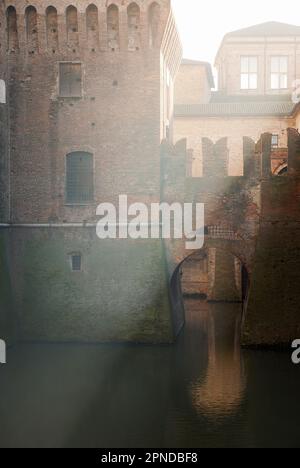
(258, 69)
(89, 95)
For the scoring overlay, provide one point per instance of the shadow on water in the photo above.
(201, 392)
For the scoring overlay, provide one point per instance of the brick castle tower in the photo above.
(89, 91)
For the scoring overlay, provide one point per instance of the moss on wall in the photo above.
(6, 318)
(120, 295)
(273, 315)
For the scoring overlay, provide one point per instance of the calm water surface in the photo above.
(202, 392)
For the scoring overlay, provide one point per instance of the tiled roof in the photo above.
(272, 28)
(216, 109)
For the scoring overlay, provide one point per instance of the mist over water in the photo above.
(204, 391)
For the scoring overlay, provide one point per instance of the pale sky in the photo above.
(203, 23)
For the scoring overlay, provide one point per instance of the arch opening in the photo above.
(113, 35)
(12, 29)
(52, 28)
(92, 26)
(72, 27)
(210, 275)
(31, 29)
(153, 24)
(134, 33)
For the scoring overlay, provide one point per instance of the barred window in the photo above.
(79, 178)
(76, 262)
(70, 79)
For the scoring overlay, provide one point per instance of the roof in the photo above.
(207, 65)
(234, 109)
(268, 29)
(271, 28)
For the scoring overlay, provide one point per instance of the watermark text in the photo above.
(296, 353)
(156, 221)
(2, 352)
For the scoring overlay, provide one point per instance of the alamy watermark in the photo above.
(157, 221)
(296, 353)
(2, 352)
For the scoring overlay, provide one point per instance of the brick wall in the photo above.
(232, 128)
(122, 293)
(192, 85)
(117, 119)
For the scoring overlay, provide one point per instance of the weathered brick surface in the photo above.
(128, 69)
(117, 119)
(232, 128)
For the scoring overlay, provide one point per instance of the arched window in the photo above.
(72, 27)
(134, 34)
(52, 28)
(92, 26)
(153, 24)
(31, 29)
(113, 27)
(79, 178)
(12, 29)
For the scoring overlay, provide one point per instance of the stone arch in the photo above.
(31, 19)
(282, 169)
(134, 25)
(52, 28)
(113, 34)
(72, 27)
(12, 29)
(92, 26)
(227, 279)
(153, 24)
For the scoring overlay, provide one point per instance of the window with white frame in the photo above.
(249, 72)
(275, 141)
(279, 72)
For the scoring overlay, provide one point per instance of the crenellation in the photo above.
(40, 26)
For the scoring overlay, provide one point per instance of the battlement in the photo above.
(63, 27)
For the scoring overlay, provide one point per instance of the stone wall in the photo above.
(192, 85)
(4, 163)
(7, 320)
(232, 128)
(272, 315)
(121, 294)
(115, 115)
(88, 79)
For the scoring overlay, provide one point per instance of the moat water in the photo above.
(202, 392)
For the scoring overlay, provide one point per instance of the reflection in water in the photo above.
(192, 394)
(222, 390)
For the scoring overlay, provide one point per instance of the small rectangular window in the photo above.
(70, 79)
(279, 72)
(76, 262)
(249, 73)
(275, 141)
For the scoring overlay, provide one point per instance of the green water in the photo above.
(202, 392)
